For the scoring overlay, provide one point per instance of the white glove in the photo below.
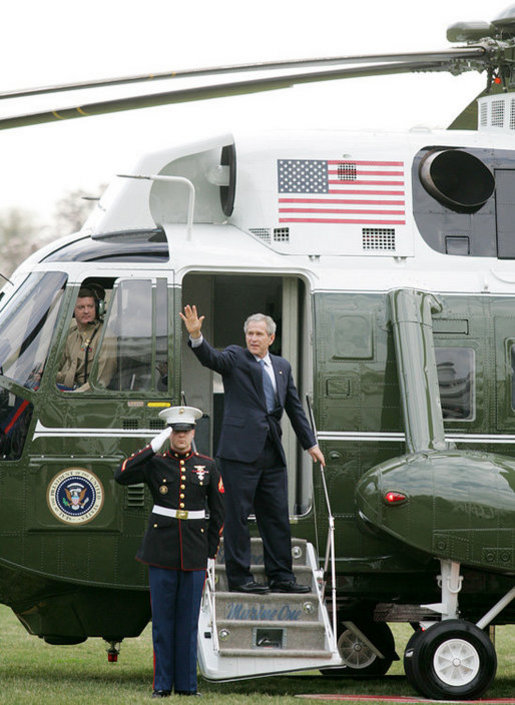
(159, 440)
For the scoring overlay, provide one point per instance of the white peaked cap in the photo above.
(181, 418)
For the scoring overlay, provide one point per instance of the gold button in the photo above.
(181, 505)
(183, 477)
(183, 487)
(201, 531)
(155, 526)
(181, 496)
(182, 462)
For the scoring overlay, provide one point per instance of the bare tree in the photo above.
(19, 230)
(22, 233)
(73, 209)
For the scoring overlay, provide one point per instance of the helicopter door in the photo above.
(226, 301)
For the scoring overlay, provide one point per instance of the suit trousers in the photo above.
(260, 487)
(175, 597)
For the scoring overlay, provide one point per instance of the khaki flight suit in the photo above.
(79, 354)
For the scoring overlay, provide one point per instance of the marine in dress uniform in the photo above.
(177, 543)
(258, 387)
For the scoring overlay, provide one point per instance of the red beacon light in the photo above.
(393, 497)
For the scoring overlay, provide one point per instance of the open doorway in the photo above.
(226, 301)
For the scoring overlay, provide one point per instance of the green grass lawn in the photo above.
(33, 672)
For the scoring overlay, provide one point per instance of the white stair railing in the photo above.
(329, 551)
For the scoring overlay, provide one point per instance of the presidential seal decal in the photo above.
(75, 496)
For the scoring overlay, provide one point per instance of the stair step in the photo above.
(272, 607)
(276, 653)
(303, 575)
(260, 637)
(298, 550)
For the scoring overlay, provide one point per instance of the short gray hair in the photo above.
(258, 318)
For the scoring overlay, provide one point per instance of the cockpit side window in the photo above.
(84, 341)
(455, 368)
(27, 325)
(138, 323)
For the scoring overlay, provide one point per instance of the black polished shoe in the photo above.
(252, 588)
(288, 586)
(161, 693)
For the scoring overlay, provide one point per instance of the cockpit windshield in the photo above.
(26, 327)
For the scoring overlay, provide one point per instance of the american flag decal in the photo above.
(341, 191)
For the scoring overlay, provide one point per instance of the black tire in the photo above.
(359, 659)
(453, 659)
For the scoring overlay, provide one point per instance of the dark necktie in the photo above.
(268, 388)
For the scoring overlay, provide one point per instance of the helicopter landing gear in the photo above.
(367, 649)
(451, 659)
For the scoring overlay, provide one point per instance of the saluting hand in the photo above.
(192, 321)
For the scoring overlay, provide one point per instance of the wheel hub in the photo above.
(354, 652)
(456, 662)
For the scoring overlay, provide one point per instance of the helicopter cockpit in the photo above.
(27, 328)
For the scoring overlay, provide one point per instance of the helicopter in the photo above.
(388, 267)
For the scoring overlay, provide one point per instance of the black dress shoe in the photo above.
(288, 586)
(161, 693)
(251, 588)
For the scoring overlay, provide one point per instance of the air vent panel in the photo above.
(379, 239)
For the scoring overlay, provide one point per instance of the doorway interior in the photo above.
(226, 300)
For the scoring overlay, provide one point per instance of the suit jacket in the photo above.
(188, 482)
(246, 422)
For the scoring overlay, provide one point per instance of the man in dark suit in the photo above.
(258, 387)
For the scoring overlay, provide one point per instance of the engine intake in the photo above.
(457, 179)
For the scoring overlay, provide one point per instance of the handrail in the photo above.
(329, 552)
(173, 179)
(211, 597)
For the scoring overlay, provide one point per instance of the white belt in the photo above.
(178, 513)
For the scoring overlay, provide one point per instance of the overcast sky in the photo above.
(54, 41)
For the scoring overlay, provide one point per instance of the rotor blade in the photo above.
(215, 91)
(463, 53)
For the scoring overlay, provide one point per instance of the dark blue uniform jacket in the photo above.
(189, 482)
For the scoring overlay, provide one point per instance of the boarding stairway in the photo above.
(244, 636)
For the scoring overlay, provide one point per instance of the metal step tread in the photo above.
(263, 623)
(274, 653)
(267, 597)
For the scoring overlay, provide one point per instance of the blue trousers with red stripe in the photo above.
(175, 597)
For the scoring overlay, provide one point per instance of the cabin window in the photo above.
(455, 368)
(138, 323)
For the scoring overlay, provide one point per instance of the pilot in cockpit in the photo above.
(82, 344)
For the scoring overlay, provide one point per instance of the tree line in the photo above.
(22, 232)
